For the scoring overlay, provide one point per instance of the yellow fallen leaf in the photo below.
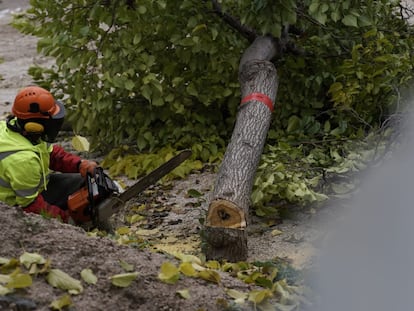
(147, 232)
(239, 297)
(276, 232)
(27, 259)
(58, 278)
(187, 257)
(4, 278)
(187, 269)
(257, 296)
(170, 240)
(122, 230)
(88, 276)
(171, 248)
(124, 279)
(250, 277)
(126, 266)
(209, 275)
(80, 143)
(184, 293)
(198, 267)
(61, 303)
(10, 266)
(282, 289)
(213, 264)
(4, 290)
(19, 280)
(230, 266)
(44, 269)
(169, 273)
(4, 261)
(135, 218)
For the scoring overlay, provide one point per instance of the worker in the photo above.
(35, 174)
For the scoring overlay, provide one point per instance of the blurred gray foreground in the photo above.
(368, 261)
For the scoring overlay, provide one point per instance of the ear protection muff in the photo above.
(34, 127)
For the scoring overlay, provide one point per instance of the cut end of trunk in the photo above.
(224, 244)
(225, 214)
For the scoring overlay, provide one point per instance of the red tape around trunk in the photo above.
(258, 97)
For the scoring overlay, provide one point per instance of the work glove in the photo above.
(86, 166)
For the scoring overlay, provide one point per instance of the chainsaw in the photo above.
(101, 197)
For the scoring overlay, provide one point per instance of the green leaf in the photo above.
(124, 279)
(193, 193)
(199, 27)
(314, 7)
(293, 124)
(146, 91)
(321, 17)
(191, 90)
(327, 126)
(214, 33)
(142, 9)
(371, 33)
(129, 85)
(335, 15)
(137, 38)
(335, 87)
(157, 101)
(350, 20)
(141, 142)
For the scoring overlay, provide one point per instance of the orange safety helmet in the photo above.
(34, 102)
(38, 113)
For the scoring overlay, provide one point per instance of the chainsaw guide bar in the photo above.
(108, 207)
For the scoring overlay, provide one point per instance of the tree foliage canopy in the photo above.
(163, 74)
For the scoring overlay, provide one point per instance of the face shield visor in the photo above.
(52, 128)
(53, 124)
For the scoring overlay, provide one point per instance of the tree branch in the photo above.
(282, 45)
(247, 32)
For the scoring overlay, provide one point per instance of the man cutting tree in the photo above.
(27, 156)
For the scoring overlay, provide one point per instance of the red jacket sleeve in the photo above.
(62, 161)
(41, 207)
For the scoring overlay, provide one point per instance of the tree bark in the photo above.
(225, 234)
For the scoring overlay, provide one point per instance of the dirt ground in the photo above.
(173, 225)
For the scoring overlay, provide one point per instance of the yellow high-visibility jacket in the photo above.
(24, 167)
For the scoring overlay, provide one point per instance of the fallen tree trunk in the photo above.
(225, 235)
